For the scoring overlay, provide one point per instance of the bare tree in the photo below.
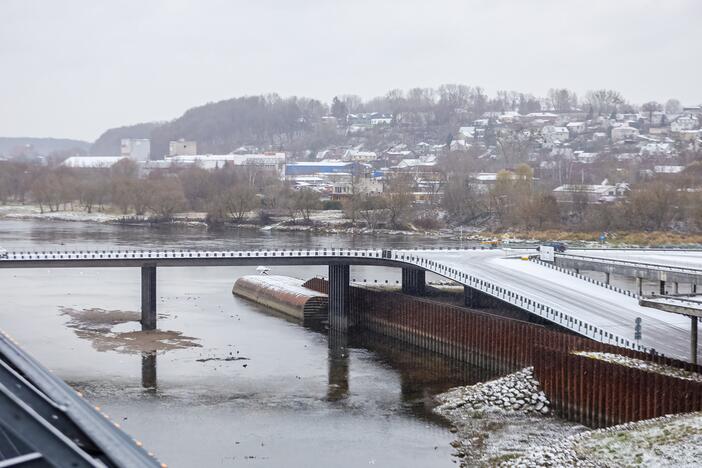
(306, 201)
(167, 197)
(240, 200)
(399, 200)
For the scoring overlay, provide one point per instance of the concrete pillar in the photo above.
(472, 297)
(413, 281)
(339, 297)
(639, 286)
(607, 277)
(148, 369)
(694, 288)
(676, 288)
(148, 297)
(577, 271)
(661, 289)
(693, 340)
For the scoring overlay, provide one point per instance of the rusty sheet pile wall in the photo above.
(506, 345)
(599, 393)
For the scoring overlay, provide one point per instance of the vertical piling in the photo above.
(693, 340)
(413, 281)
(339, 297)
(148, 297)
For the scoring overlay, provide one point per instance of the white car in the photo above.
(3, 253)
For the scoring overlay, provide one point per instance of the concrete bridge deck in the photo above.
(590, 310)
(665, 265)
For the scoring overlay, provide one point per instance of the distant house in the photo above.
(459, 145)
(585, 158)
(467, 132)
(682, 123)
(602, 193)
(554, 134)
(668, 169)
(356, 155)
(576, 128)
(623, 133)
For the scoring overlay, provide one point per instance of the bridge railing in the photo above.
(532, 305)
(572, 273)
(642, 265)
(409, 256)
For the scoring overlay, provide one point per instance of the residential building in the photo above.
(622, 133)
(555, 135)
(602, 193)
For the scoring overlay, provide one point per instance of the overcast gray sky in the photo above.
(75, 68)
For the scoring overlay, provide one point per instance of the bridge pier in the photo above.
(661, 287)
(676, 288)
(608, 277)
(639, 286)
(339, 297)
(473, 298)
(413, 281)
(693, 340)
(148, 297)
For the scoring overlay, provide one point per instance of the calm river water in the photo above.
(231, 384)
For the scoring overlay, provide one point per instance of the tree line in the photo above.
(514, 200)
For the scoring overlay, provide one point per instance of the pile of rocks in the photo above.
(517, 392)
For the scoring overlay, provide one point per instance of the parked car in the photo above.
(557, 246)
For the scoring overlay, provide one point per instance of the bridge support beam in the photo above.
(676, 288)
(148, 297)
(608, 278)
(473, 298)
(661, 287)
(693, 340)
(693, 288)
(413, 281)
(339, 297)
(639, 286)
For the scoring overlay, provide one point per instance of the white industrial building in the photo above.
(182, 148)
(136, 149)
(92, 162)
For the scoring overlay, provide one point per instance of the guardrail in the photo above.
(542, 310)
(647, 266)
(570, 272)
(407, 256)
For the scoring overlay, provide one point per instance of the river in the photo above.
(229, 383)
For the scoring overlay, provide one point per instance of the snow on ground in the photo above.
(33, 212)
(643, 365)
(669, 441)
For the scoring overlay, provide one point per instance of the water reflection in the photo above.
(148, 371)
(338, 388)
